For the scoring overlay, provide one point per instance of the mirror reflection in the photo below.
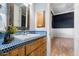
(16, 14)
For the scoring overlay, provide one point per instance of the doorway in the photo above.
(62, 43)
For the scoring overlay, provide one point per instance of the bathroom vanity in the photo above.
(32, 43)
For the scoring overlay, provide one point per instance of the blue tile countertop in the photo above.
(18, 42)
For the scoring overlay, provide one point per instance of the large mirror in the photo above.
(18, 15)
(24, 13)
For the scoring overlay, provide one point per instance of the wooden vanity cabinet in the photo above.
(35, 48)
(38, 48)
(38, 52)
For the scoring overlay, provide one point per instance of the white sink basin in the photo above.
(23, 37)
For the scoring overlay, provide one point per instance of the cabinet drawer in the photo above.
(31, 47)
(42, 50)
(35, 53)
(28, 49)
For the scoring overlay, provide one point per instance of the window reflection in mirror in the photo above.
(24, 17)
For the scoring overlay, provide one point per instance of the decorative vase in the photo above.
(8, 38)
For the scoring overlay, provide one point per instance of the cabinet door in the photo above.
(43, 50)
(21, 51)
(28, 49)
(32, 54)
(31, 47)
(35, 53)
(14, 52)
(36, 48)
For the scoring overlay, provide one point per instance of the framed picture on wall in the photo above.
(40, 19)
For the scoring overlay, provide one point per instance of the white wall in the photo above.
(48, 28)
(63, 32)
(33, 9)
(76, 24)
(32, 17)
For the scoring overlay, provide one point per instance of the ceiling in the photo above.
(57, 8)
(60, 8)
